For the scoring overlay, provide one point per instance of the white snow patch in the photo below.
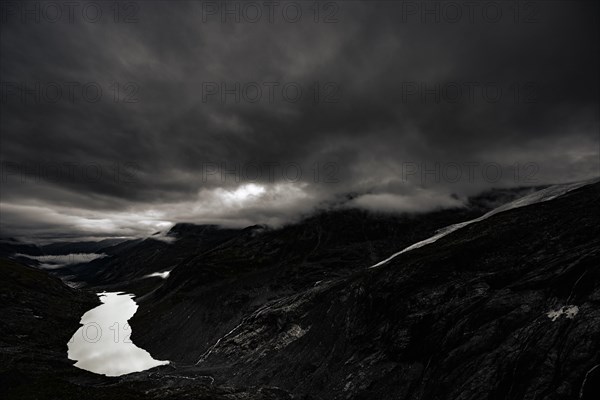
(568, 311)
(549, 193)
(163, 275)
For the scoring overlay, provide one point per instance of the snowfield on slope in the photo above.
(547, 194)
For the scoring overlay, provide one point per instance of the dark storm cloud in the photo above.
(156, 153)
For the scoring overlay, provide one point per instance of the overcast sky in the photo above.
(121, 122)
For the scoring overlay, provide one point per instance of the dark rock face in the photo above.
(209, 293)
(463, 318)
(39, 315)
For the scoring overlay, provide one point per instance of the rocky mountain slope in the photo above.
(507, 307)
(40, 314)
(467, 317)
(210, 292)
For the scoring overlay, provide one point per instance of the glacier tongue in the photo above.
(549, 193)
